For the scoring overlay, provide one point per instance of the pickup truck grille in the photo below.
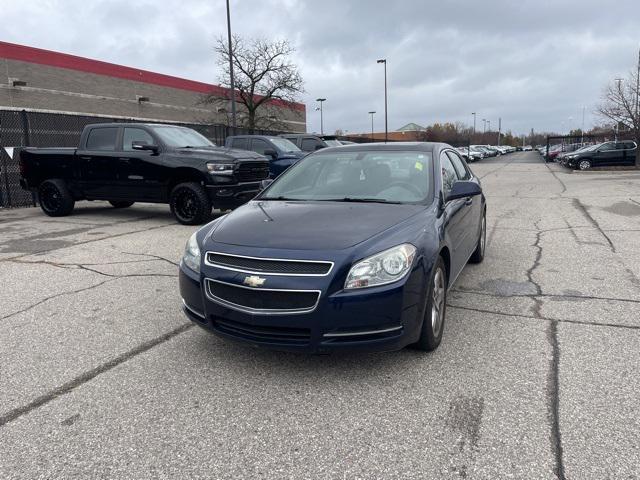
(253, 171)
(269, 266)
(261, 300)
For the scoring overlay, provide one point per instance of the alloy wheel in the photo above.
(584, 165)
(437, 302)
(483, 235)
(50, 197)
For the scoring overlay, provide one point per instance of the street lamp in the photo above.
(372, 113)
(484, 125)
(231, 81)
(386, 125)
(489, 122)
(474, 122)
(321, 100)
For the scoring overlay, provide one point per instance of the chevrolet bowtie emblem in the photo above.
(254, 281)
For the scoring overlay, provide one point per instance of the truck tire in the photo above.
(116, 204)
(190, 203)
(54, 198)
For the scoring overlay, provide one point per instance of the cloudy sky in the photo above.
(535, 63)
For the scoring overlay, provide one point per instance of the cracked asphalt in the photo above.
(537, 376)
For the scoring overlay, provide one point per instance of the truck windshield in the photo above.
(370, 176)
(285, 145)
(181, 137)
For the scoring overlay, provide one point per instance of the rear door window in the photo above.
(102, 139)
(309, 144)
(239, 143)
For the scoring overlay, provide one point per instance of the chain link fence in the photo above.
(21, 128)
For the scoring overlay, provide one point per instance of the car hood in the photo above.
(308, 225)
(218, 153)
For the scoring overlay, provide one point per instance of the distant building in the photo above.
(42, 80)
(410, 132)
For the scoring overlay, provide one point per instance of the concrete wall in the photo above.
(66, 90)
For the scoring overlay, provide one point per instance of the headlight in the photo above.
(220, 168)
(382, 268)
(191, 257)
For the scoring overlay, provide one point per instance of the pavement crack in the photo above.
(564, 186)
(127, 275)
(157, 257)
(536, 263)
(543, 295)
(581, 208)
(72, 292)
(553, 399)
(89, 375)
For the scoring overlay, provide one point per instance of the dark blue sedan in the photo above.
(352, 248)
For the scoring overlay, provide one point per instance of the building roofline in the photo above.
(23, 53)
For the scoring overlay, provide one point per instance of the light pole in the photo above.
(372, 113)
(474, 122)
(582, 129)
(386, 125)
(484, 126)
(489, 122)
(321, 100)
(231, 81)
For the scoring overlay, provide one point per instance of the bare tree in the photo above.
(620, 105)
(263, 72)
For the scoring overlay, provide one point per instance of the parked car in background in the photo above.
(488, 152)
(527, 148)
(280, 152)
(125, 163)
(310, 143)
(604, 154)
(288, 271)
(469, 154)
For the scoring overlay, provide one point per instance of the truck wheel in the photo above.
(55, 198)
(190, 203)
(121, 204)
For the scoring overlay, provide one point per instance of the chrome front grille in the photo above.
(261, 300)
(268, 266)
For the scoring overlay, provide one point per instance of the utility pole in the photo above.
(499, 129)
(372, 113)
(232, 83)
(484, 126)
(386, 125)
(474, 122)
(321, 100)
(582, 129)
(636, 120)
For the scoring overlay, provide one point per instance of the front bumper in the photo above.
(375, 319)
(233, 195)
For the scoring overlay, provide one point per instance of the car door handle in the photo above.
(124, 159)
(468, 201)
(85, 158)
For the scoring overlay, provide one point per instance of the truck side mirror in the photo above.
(140, 145)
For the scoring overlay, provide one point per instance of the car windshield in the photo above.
(333, 143)
(370, 176)
(285, 145)
(180, 137)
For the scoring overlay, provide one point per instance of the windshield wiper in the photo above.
(358, 200)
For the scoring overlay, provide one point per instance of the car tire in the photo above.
(116, 204)
(584, 164)
(55, 198)
(190, 204)
(478, 254)
(435, 309)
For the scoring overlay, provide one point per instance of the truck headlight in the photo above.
(191, 257)
(220, 168)
(381, 268)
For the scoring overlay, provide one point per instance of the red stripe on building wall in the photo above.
(39, 56)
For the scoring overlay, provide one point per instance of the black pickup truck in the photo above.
(125, 163)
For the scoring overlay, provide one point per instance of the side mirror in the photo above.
(270, 152)
(265, 183)
(463, 189)
(140, 145)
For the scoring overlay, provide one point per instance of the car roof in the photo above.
(270, 137)
(134, 124)
(381, 147)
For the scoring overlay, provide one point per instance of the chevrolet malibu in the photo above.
(352, 248)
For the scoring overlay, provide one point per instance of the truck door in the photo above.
(98, 163)
(141, 173)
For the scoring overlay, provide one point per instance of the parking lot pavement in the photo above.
(102, 376)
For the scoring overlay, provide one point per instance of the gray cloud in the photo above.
(533, 63)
